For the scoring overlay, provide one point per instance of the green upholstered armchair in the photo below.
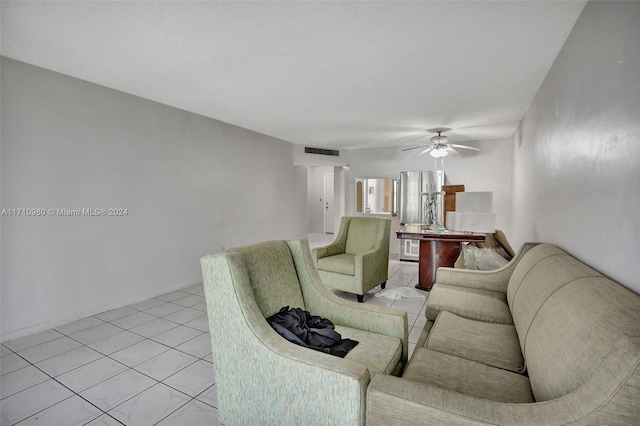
(263, 378)
(358, 259)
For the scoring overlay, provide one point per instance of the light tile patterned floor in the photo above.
(144, 364)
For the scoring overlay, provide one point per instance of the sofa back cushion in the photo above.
(528, 261)
(273, 276)
(363, 234)
(569, 318)
(540, 273)
(588, 328)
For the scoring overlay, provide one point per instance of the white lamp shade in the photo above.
(438, 152)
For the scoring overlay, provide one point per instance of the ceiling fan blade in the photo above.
(464, 147)
(431, 148)
(452, 151)
(415, 147)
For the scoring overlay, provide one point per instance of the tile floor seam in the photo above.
(178, 408)
(128, 399)
(172, 374)
(23, 358)
(80, 396)
(47, 407)
(144, 390)
(106, 337)
(125, 400)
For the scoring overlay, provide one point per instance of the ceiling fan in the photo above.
(440, 146)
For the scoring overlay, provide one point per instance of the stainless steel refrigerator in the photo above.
(411, 207)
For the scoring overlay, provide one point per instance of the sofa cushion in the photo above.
(273, 276)
(492, 344)
(472, 303)
(362, 235)
(380, 353)
(467, 377)
(340, 263)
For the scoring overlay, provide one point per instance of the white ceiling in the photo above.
(330, 74)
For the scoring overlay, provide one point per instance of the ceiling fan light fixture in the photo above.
(440, 146)
(438, 152)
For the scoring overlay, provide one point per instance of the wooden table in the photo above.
(435, 250)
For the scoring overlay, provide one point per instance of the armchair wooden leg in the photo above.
(383, 285)
(360, 298)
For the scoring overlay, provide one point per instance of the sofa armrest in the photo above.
(599, 400)
(495, 280)
(397, 401)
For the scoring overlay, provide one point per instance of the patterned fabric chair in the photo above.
(358, 260)
(263, 378)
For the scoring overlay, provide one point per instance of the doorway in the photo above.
(328, 203)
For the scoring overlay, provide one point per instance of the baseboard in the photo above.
(88, 313)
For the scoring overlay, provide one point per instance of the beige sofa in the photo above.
(545, 340)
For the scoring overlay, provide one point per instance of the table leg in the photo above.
(434, 254)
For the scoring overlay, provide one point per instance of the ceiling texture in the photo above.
(345, 75)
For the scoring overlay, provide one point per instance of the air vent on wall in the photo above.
(332, 152)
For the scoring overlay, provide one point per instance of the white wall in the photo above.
(339, 196)
(487, 170)
(315, 197)
(191, 185)
(577, 150)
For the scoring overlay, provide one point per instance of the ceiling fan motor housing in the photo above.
(439, 140)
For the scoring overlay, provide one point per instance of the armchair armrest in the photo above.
(336, 247)
(376, 319)
(368, 264)
(495, 280)
(318, 253)
(321, 301)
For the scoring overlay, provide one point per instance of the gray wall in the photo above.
(191, 185)
(576, 164)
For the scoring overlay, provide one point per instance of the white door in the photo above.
(328, 204)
